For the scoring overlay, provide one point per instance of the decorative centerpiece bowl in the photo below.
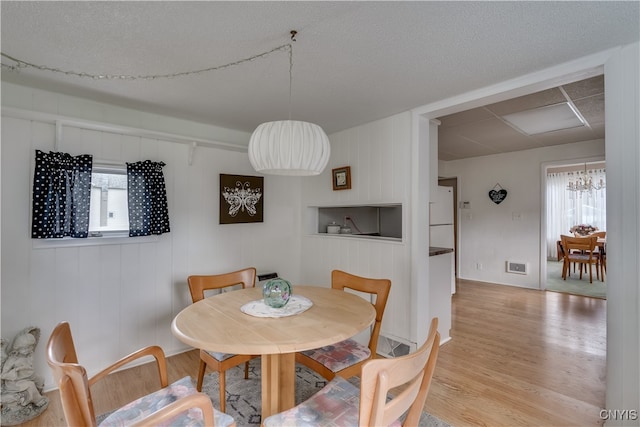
(583, 229)
(276, 292)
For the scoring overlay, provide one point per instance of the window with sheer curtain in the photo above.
(568, 208)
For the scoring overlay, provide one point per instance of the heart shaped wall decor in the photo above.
(497, 196)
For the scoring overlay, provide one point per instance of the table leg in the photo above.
(278, 383)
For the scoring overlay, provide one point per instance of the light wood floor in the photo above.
(521, 357)
(517, 357)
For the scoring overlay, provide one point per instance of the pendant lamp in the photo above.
(289, 147)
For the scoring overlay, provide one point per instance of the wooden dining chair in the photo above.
(340, 403)
(221, 362)
(580, 250)
(601, 251)
(347, 357)
(561, 252)
(170, 405)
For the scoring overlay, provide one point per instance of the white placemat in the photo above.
(296, 305)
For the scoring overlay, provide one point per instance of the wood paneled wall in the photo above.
(120, 297)
(379, 156)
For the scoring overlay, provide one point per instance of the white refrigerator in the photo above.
(441, 218)
(441, 234)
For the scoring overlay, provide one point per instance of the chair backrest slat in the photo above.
(199, 284)
(413, 371)
(585, 244)
(378, 287)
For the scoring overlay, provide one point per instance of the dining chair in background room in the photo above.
(170, 405)
(601, 251)
(347, 357)
(580, 250)
(220, 362)
(340, 403)
(561, 251)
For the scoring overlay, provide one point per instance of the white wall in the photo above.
(490, 234)
(379, 156)
(622, 103)
(120, 297)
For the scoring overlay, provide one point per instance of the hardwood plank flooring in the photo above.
(521, 357)
(517, 357)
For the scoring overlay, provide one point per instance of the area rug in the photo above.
(244, 395)
(573, 285)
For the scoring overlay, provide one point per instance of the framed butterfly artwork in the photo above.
(241, 199)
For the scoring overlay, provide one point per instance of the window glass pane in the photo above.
(109, 210)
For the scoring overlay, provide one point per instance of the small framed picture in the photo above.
(342, 178)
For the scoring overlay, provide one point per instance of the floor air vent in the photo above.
(517, 267)
(389, 347)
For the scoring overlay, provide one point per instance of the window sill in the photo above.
(359, 236)
(91, 241)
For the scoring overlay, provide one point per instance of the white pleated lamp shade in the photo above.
(289, 147)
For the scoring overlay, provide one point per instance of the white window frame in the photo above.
(109, 169)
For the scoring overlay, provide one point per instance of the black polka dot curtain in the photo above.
(148, 211)
(61, 195)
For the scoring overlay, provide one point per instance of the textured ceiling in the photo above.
(354, 62)
(482, 131)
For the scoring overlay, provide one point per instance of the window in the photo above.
(72, 198)
(108, 209)
(566, 209)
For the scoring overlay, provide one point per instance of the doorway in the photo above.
(563, 210)
(621, 149)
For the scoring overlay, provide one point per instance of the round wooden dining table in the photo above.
(217, 324)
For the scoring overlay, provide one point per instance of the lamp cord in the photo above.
(293, 39)
(290, 75)
(348, 218)
(19, 64)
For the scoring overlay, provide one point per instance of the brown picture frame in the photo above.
(341, 178)
(241, 199)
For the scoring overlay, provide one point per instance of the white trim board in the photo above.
(61, 121)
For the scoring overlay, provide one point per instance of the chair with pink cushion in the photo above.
(341, 403)
(173, 404)
(347, 357)
(221, 362)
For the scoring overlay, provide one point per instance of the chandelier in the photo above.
(289, 147)
(584, 183)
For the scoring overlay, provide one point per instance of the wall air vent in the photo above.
(517, 267)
